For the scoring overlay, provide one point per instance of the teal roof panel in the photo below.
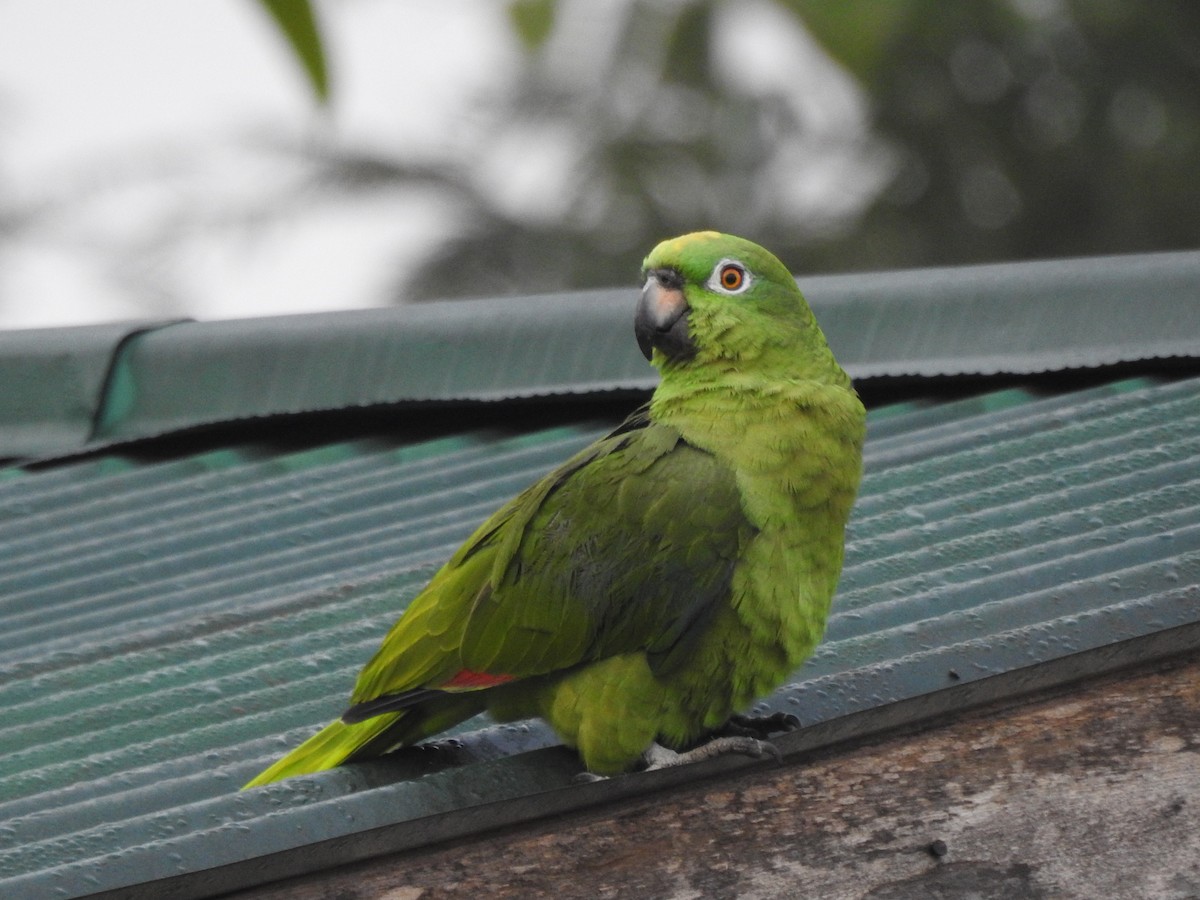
(204, 372)
(52, 382)
(84, 389)
(167, 628)
(1013, 318)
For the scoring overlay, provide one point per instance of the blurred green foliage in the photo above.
(1042, 128)
(532, 20)
(298, 26)
(643, 136)
(990, 130)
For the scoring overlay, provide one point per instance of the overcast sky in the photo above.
(123, 120)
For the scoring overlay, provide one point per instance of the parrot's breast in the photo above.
(796, 455)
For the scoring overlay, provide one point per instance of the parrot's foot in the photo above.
(760, 727)
(659, 757)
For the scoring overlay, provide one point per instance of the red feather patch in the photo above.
(466, 680)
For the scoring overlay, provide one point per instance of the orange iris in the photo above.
(732, 277)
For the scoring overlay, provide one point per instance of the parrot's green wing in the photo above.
(627, 546)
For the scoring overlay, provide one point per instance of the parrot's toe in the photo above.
(659, 757)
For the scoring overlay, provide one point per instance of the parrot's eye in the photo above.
(729, 277)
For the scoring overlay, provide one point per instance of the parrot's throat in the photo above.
(779, 437)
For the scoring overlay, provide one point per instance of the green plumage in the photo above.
(667, 575)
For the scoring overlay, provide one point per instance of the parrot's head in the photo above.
(711, 298)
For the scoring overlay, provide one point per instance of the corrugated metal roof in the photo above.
(1016, 318)
(54, 381)
(168, 627)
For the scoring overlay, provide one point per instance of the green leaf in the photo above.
(296, 20)
(533, 21)
(857, 33)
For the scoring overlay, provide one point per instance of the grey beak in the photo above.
(661, 320)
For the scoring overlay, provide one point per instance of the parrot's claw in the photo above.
(659, 757)
(759, 727)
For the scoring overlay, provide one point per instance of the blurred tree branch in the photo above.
(1000, 129)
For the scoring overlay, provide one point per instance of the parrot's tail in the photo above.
(329, 747)
(340, 741)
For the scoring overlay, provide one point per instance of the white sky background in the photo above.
(117, 115)
(139, 148)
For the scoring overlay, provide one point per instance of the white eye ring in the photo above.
(716, 281)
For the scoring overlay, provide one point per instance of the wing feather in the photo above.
(628, 545)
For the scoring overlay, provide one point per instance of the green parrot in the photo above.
(661, 579)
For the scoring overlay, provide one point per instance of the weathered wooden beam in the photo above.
(1089, 791)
